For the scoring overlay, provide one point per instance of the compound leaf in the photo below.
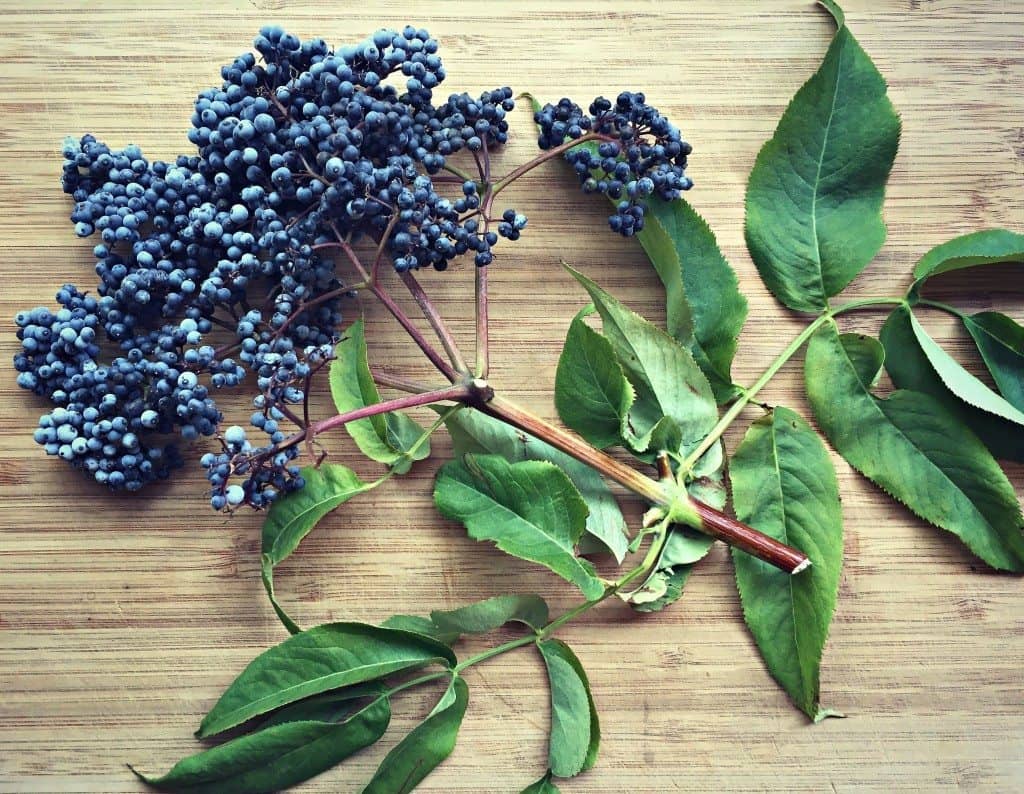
(275, 757)
(426, 746)
(909, 368)
(911, 447)
(814, 197)
(530, 510)
(1001, 344)
(784, 484)
(318, 660)
(472, 431)
(575, 729)
(392, 438)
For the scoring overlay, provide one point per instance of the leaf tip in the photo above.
(823, 714)
(835, 10)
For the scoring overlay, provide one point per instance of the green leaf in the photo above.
(814, 198)
(911, 447)
(961, 382)
(784, 484)
(291, 518)
(909, 369)
(575, 729)
(421, 625)
(667, 381)
(1001, 344)
(472, 431)
(686, 256)
(321, 659)
(276, 757)
(542, 786)
(530, 510)
(833, 8)
(426, 746)
(334, 706)
(492, 613)
(987, 247)
(392, 438)
(592, 394)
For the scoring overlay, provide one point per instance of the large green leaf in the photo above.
(909, 368)
(684, 251)
(492, 613)
(1001, 344)
(321, 659)
(961, 382)
(291, 518)
(987, 247)
(472, 431)
(426, 746)
(393, 438)
(814, 198)
(910, 446)
(276, 757)
(530, 510)
(575, 728)
(592, 394)
(784, 484)
(667, 381)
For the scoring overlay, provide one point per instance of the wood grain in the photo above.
(123, 618)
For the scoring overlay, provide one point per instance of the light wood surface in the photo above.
(122, 619)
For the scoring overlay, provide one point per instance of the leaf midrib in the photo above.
(412, 662)
(785, 539)
(821, 160)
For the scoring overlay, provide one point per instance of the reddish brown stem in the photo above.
(459, 393)
(396, 311)
(382, 378)
(713, 522)
(512, 176)
(436, 322)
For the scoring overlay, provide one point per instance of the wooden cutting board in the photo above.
(122, 619)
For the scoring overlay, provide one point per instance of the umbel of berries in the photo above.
(225, 266)
(640, 154)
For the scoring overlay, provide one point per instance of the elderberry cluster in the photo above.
(640, 154)
(222, 262)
